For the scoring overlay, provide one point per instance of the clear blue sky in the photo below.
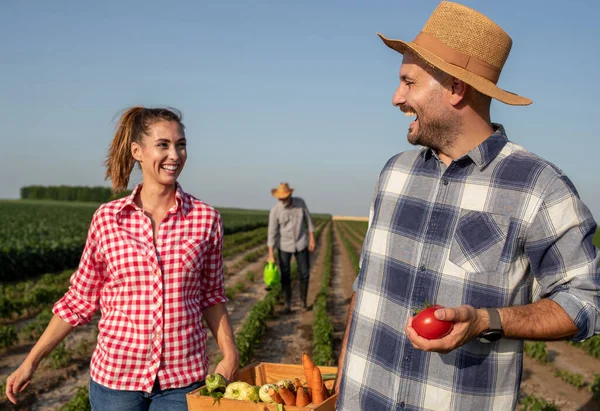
(272, 91)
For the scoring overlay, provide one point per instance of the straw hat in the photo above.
(282, 191)
(464, 44)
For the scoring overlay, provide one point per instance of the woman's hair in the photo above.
(133, 125)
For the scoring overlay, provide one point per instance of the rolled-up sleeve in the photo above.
(563, 257)
(80, 302)
(212, 281)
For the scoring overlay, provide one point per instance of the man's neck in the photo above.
(475, 132)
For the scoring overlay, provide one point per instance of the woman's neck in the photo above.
(156, 197)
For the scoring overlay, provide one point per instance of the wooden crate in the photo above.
(259, 374)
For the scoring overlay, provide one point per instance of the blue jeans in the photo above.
(106, 399)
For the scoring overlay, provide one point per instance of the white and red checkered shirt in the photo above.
(151, 296)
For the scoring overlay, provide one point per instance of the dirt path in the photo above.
(290, 335)
(539, 379)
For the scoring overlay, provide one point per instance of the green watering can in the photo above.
(271, 274)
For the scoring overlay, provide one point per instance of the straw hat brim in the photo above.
(479, 83)
(281, 195)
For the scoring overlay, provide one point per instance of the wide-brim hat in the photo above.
(282, 191)
(466, 45)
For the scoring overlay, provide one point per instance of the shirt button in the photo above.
(445, 181)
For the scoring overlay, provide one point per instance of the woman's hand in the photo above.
(18, 381)
(228, 367)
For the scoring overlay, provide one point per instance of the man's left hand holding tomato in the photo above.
(468, 324)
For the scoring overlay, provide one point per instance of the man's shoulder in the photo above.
(298, 201)
(515, 157)
(403, 160)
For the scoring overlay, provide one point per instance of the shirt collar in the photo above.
(182, 200)
(483, 154)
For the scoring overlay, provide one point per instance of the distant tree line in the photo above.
(96, 194)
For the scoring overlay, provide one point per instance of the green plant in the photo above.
(576, 380)
(537, 351)
(255, 325)
(8, 336)
(80, 402)
(591, 346)
(595, 387)
(322, 353)
(533, 403)
(350, 248)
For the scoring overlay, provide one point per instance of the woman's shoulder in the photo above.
(198, 208)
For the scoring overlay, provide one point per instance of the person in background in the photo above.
(470, 221)
(291, 231)
(153, 264)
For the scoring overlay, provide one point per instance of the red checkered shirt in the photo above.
(151, 296)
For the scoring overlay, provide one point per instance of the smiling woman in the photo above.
(153, 264)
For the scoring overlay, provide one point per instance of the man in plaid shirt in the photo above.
(470, 221)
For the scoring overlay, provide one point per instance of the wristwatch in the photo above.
(494, 333)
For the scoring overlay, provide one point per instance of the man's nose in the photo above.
(398, 97)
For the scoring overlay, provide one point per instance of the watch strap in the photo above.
(495, 321)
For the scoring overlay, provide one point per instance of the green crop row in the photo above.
(255, 325)
(351, 250)
(532, 403)
(590, 346)
(28, 297)
(45, 236)
(322, 350)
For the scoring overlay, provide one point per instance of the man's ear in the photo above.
(136, 151)
(458, 89)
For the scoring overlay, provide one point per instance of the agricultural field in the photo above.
(557, 375)
(47, 236)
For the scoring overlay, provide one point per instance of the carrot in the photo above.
(308, 366)
(275, 396)
(317, 385)
(287, 395)
(302, 398)
(297, 383)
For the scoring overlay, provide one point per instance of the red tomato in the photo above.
(427, 326)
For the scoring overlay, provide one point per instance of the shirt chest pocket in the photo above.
(286, 219)
(479, 240)
(192, 254)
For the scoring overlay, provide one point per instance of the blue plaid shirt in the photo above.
(498, 227)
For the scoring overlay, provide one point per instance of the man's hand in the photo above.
(228, 366)
(311, 243)
(270, 259)
(468, 324)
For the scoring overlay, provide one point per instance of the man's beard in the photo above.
(437, 133)
(440, 131)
